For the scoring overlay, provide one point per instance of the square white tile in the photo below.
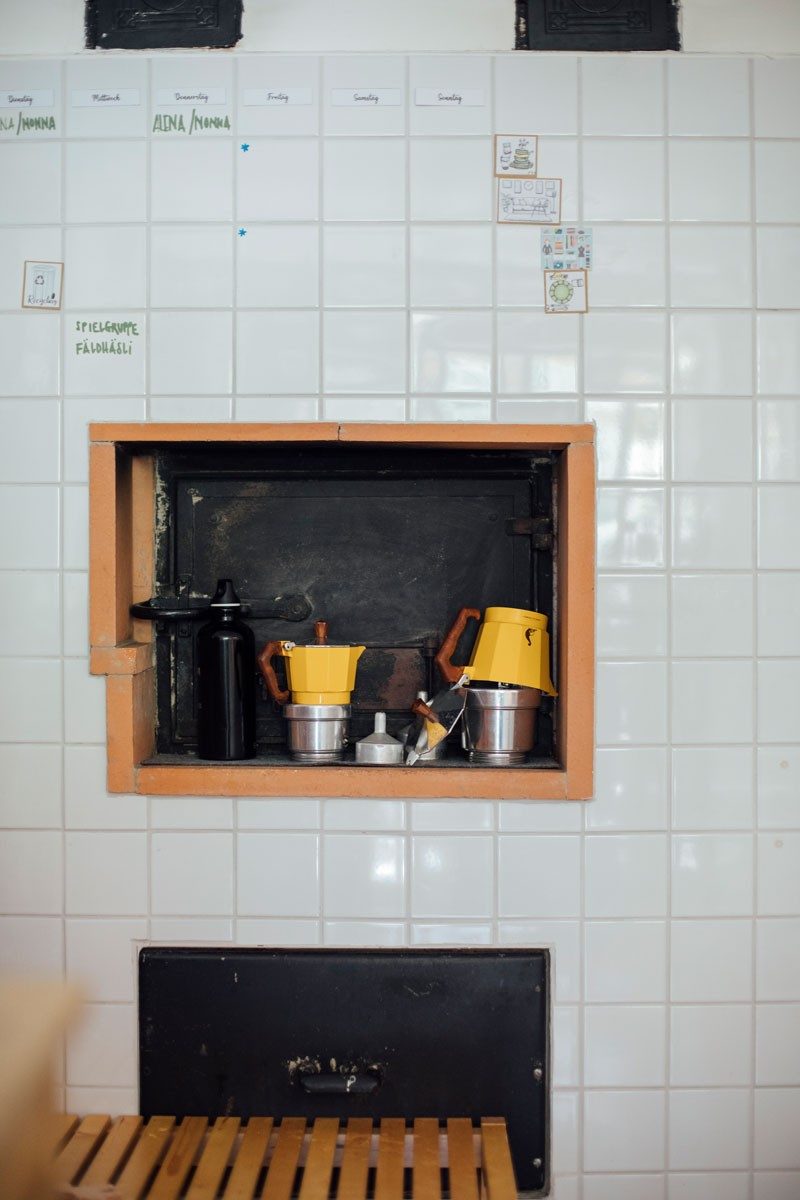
(778, 353)
(104, 353)
(102, 1049)
(364, 179)
(539, 876)
(711, 961)
(364, 875)
(452, 816)
(712, 615)
(778, 959)
(630, 789)
(537, 816)
(550, 92)
(623, 1131)
(609, 82)
(33, 945)
(712, 875)
(778, 699)
(29, 451)
(712, 788)
(630, 438)
(257, 76)
(631, 703)
(32, 628)
(277, 874)
(190, 408)
(451, 352)
(778, 1045)
(30, 701)
(105, 181)
(31, 192)
(711, 701)
(277, 352)
(276, 408)
(451, 265)
(778, 794)
(75, 632)
(624, 1045)
(191, 266)
(29, 348)
(24, 76)
(778, 509)
(625, 352)
(640, 163)
(32, 874)
(516, 247)
(630, 527)
(779, 441)
(464, 75)
(711, 1045)
(252, 931)
(364, 408)
(712, 354)
(452, 876)
(626, 875)
(617, 285)
(708, 96)
(101, 957)
(205, 76)
(451, 180)
(363, 816)
(536, 355)
(191, 874)
(19, 244)
(278, 180)
(106, 874)
(84, 703)
(32, 787)
(709, 1129)
(106, 74)
(625, 962)
(191, 353)
(29, 526)
(778, 266)
(711, 527)
(777, 180)
(363, 265)
(777, 1115)
(105, 267)
(711, 266)
(712, 441)
(191, 181)
(777, 97)
(778, 874)
(364, 352)
(277, 814)
(724, 168)
(625, 1187)
(364, 74)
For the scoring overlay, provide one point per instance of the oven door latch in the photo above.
(336, 1083)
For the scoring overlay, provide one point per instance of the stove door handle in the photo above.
(334, 1084)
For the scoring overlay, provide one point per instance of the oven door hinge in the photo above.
(538, 529)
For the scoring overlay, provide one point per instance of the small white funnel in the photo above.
(379, 749)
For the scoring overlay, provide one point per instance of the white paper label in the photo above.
(365, 97)
(122, 98)
(450, 97)
(23, 99)
(268, 97)
(192, 97)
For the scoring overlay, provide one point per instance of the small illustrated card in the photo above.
(566, 292)
(41, 284)
(529, 201)
(565, 247)
(515, 154)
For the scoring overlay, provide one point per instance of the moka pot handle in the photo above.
(450, 672)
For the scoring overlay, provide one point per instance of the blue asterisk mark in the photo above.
(245, 147)
(242, 232)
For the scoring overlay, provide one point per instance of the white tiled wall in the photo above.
(372, 283)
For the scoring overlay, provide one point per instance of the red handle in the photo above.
(450, 672)
(268, 671)
(420, 709)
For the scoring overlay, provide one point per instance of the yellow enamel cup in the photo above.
(512, 647)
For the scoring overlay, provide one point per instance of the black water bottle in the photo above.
(226, 659)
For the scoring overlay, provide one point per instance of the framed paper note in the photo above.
(515, 154)
(529, 201)
(566, 247)
(566, 291)
(41, 284)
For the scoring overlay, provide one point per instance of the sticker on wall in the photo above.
(565, 247)
(192, 110)
(41, 284)
(566, 291)
(450, 97)
(529, 201)
(515, 154)
(365, 97)
(277, 97)
(119, 98)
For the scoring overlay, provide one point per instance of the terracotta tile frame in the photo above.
(121, 512)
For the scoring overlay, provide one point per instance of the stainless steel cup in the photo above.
(317, 732)
(499, 724)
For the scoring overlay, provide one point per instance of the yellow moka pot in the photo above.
(317, 673)
(512, 647)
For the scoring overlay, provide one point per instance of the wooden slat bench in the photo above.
(162, 1159)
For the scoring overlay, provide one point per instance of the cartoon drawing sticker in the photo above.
(566, 291)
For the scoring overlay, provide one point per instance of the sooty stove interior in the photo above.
(384, 542)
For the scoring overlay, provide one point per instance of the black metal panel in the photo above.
(386, 543)
(597, 25)
(441, 1033)
(159, 24)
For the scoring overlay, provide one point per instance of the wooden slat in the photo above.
(461, 1159)
(391, 1157)
(60, 1126)
(113, 1151)
(498, 1169)
(146, 1154)
(214, 1160)
(354, 1170)
(245, 1172)
(319, 1160)
(285, 1157)
(80, 1148)
(179, 1159)
(427, 1176)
